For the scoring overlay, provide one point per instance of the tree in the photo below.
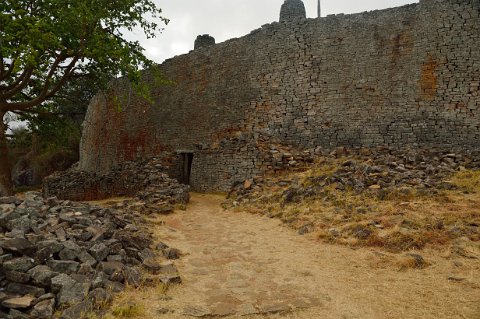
(50, 140)
(46, 43)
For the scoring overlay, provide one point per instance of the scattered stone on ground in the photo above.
(59, 256)
(361, 170)
(364, 196)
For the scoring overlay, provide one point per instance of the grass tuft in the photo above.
(128, 311)
(468, 181)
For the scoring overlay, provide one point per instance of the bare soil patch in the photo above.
(235, 263)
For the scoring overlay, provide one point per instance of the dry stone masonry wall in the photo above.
(396, 78)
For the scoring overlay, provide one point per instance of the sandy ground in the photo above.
(236, 264)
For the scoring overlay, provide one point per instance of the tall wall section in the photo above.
(407, 76)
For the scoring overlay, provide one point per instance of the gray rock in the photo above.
(17, 314)
(60, 281)
(85, 269)
(7, 208)
(17, 245)
(86, 258)
(99, 251)
(170, 279)
(64, 266)
(78, 310)
(22, 289)
(44, 309)
(99, 296)
(4, 258)
(72, 293)
(55, 245)
(45, 297)
(16, 276)
(109, 267)
(22, 264)
(100, 280)
(44, 254)
(133, 276)
(117, 258)
(42, 275)
(161, 246)
(171, 253)
(23, 223)
(9, 200)
(147, 253)
(68, 254)
(151, 265)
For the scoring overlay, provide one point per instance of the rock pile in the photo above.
(277, 157)
(62, 255)
(375, 170)
(148, 177)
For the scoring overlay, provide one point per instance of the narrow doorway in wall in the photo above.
(186, 167)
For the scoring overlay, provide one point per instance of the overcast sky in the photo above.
(226, 19)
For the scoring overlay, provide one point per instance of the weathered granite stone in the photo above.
(60, 281)
(22, 289)
(72, 293)
(64, 266)
(400, 77)
(17, 245)
(99, 251)
(204, 41)
(44, 309)
(291, 10)
(17, 276)
(22, 264)
(53, 254)
(42, 275)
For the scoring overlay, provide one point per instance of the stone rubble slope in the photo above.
(398, 200)
(69, 258)
(379, 170)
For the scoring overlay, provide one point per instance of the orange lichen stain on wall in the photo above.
(429, 79)
(227, 133)
(401, 44)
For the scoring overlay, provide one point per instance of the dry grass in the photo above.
(467, 180)
(401, 219)
(130, 303)
(128, 311)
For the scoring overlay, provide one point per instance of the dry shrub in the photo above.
(468, 181)
(397, 241)
(411, 261)
(128, 311)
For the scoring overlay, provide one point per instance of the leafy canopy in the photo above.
(45, 43)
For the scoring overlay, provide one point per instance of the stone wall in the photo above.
(401, 77)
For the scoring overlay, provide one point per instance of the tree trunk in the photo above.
(6, 187)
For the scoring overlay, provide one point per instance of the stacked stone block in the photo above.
(396, 78)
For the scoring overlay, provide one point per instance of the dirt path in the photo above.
(240, 264)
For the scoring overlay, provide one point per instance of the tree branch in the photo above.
(20, 106)
(8, 72)
(46, 114)
(17, 84)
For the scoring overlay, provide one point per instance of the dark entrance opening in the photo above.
(186, 160)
